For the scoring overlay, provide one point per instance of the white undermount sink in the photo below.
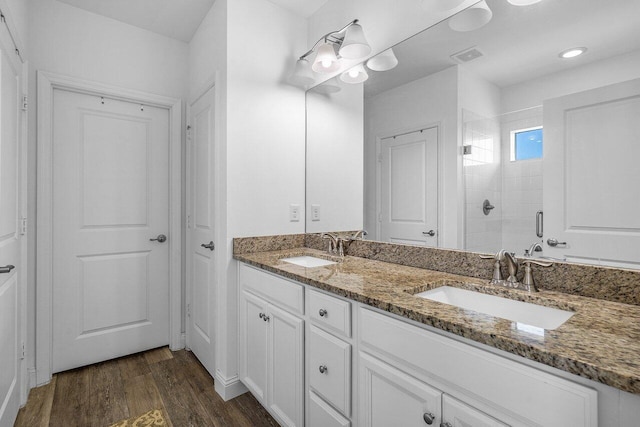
(523, 313)
(308, 261)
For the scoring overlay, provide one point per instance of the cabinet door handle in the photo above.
(322, 312)
(261, 315)
(323, 369)
(428, 418)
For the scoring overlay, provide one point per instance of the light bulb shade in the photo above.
(330, 86)
(302, 74)
(354, 45)
(355, 75)
(326, 60)
(441, 5)
(384, 61)
(471, 18)
(522, 2)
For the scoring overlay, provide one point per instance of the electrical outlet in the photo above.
(294, 213)
(315, 212)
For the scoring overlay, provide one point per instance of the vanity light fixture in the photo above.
(383, 61)
(348, 42)
(472, 18)
(355, 75)
(572, 53)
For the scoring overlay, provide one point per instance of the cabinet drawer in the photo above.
(323, 415)
(280, 292)
(330, 368)
(330, 313)
(490, 378)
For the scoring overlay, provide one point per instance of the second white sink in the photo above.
(308, 261)
(526, 313)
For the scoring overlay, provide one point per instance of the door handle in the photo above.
(160, 239)
(554, 242)
(7, 269)
(209, 246)
(429, 233)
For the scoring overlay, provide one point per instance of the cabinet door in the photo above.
(253, 344)
(389, 397)
(286, 370)
(458, 414)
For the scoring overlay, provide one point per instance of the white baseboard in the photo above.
(31, 377)
(229, 388)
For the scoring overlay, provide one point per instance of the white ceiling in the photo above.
(178, 19)
(303, 8)
(520, 43)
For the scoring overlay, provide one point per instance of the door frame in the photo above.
(46, 83)
(210, 84)
(400, 132)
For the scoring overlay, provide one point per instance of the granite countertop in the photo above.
(601, 341)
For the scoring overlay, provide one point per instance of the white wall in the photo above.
(250, 46)
(67, 40)
(334, 159)
(425, 102)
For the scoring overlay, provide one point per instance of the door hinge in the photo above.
(25, 103)
(380, 158)
(23, 226)
(188, 310)
(379, 216)
(188, 222)
(23, 355)
(188, 132)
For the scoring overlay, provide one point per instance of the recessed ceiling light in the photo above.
(572, 53)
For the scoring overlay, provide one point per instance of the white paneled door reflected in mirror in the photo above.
(533, 111)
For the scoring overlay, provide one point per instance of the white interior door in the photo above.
(110, 197)
(200, 234)
(591, 176)
(10, 238)
(409, 188)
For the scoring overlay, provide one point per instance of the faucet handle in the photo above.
(527, 280)
(542, 264)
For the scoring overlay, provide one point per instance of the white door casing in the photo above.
(110, 198)
(590, 176)
(12, 242)
(408, 188)
(201, 228)
(47, 83)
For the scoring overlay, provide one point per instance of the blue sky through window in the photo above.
(528, 144)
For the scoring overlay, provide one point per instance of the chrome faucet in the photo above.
(359, 235)
(512, 268)
(497, 278)
(336, 243)
(535, 247)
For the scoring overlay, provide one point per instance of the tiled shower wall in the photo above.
(521, 185)
(482, 181)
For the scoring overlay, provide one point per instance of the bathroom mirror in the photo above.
(445, 149)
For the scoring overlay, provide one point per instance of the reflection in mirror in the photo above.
(494, 116)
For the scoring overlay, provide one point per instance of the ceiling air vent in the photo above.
(467, 55)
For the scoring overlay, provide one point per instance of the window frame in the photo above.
(512, 143)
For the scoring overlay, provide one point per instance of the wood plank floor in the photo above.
(102, 394)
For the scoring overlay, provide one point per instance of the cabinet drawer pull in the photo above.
(323, 369)
(322, 312)
(428, 418)
(261, 315)
(265, 318)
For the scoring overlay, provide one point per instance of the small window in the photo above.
(526, 144)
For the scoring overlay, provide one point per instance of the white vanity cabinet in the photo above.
(272, 344)
(328, 355)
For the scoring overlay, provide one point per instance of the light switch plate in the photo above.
(315, 212)
(294, 213)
